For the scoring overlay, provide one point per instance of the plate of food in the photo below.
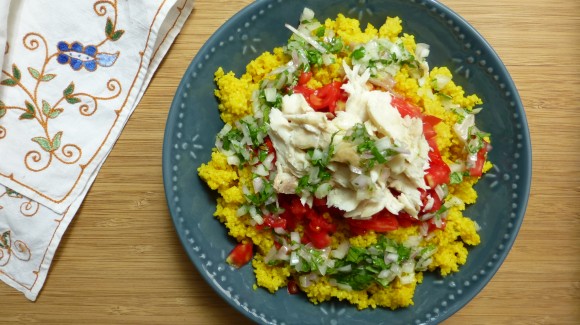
(347, 162)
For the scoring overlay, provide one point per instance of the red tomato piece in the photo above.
(241, 254)
(405, 220)
(438, 173)
(477, 169)
(429, 122)
(319, 239)
(304, 78)
(433, 226)
(383, 221)
(322, 99)
(292, 287)
(405, 108)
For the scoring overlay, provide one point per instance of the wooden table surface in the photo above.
(121, 262)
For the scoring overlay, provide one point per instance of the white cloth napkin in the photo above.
(72, 74)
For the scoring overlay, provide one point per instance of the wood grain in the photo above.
(121, 262)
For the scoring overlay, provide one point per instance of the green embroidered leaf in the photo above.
(56, 141)
(45, 107)
(117, 34)
(34, 73)
(29, 107)
(54, 113)
(48, 77)
(30, 112)
(44, 143)
(16, 72)
(9, 82)
(5, 239)
(13, 193)
(69, 90)
(2, 109)
(109, 28)
(26, 116)
(72, 100)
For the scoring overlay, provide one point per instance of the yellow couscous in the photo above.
(433, 92)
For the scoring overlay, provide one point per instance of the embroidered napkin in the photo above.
(72, 74)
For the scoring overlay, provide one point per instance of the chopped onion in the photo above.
(424, 229)
(341, 251)
(295, 237)
(408, 267)
(384, 143)
(346, 268)
(282, 253)
(233, 160)
(270, 255)
(242, 210)
(279, 230)
(307, 38)
(440, 191)
(422, 51)
(413, 241)
(258, 183)
(268, 161)
(427, 216)
(462, 129)
(407, 279)
(294, 259)
(307, 14)
(254, 214)
(270, 94)
(391, 257)
(343, 286)
(323, 190)
(396, 269)
(261, 170)
(429, 204)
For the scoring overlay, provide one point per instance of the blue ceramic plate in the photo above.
(194, 121)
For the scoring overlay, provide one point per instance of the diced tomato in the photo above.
(323, 99)
(304, 78)
(433, 226)
(297, 208)
(319, 239)
(436, 200)
(438, 173)
(477, 169)
(292, 287)
(405, 108)
(272, 222)
(405, 220)
(383, 221)
(429, 122)
(241, 254)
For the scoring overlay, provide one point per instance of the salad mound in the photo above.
(345, 164)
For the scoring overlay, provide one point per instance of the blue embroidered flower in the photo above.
(79, 56)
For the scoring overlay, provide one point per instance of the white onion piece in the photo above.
(261, 170)
(307, 38)
(270, 94)
(323, 190)
(295, 237)
(307, 14)
(243, 210)
(258, 183)
(341, 251)
(407, 279)
(233, 160)
(391, 257)
(294, 259)
(254, 214)
(270, 255)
